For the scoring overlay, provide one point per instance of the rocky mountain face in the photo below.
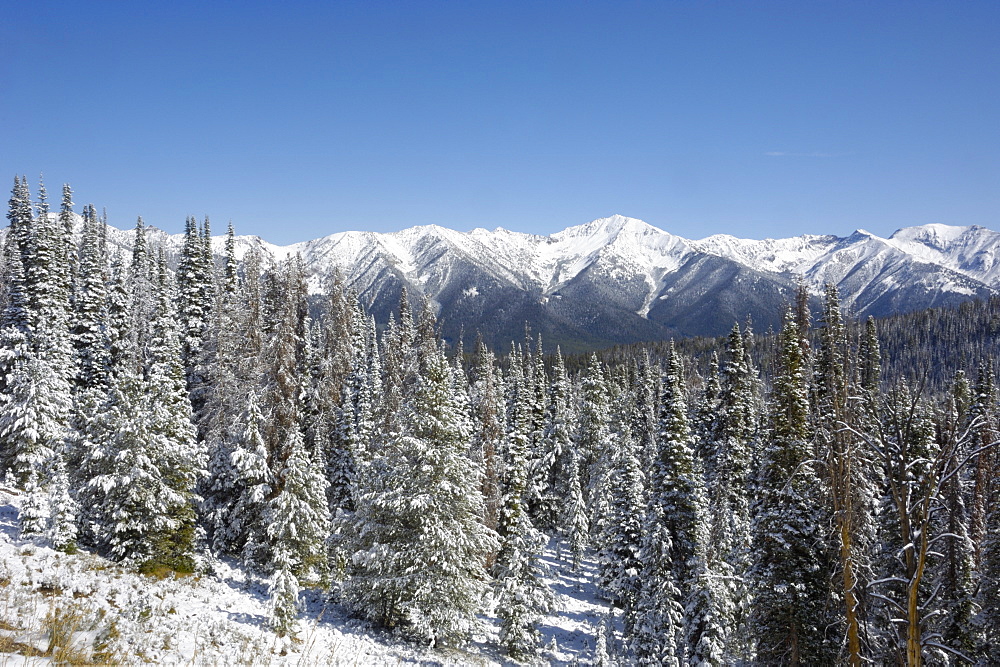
(621, 280)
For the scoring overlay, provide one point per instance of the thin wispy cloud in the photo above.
(793, 154)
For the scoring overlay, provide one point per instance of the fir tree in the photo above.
(297, 518)
(619, 557)
(62, 529)
(245, 531)
(848, 463)
(34, 515)
(789, 567)
(575, 527)
(283, 592)
(728, 453)
(488, 430)
(522, 597)
(419, 545)
(593, 443)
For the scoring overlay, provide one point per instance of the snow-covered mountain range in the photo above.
(619, 279)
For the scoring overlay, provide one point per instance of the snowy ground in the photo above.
(62, 608)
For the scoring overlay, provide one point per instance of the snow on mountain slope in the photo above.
(934, 259)
(973, 250)
(619, 279)
(793, 255)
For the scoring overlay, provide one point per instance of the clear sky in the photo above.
(300, 119)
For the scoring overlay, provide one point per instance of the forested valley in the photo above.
(825, 494)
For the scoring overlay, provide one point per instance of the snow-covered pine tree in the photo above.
(142, 464)
(848, 463)
(127, 501)
(63, 510)
(552, 467)
(397, 359)
(917, 462)
(67, 250)
(353, 429)
(540, 496)
(619, 558)
(984, 431)
(575, 526)
(35, 350)
(985, 511)
(789, 571)
(297, 518)
(657, 635)
(954, 572)
(30, 424)
(486, 394)
(418, 541)
(645, 391)
(221, 396)
(15, 353)
(704, 424)
(33, 519)
(182, 459)
(677, 508)
(283, 592)
(90, 334)
(521, 595)
(284, 367)
(194, 304)
(729, 451)
(593, 442)
(139, 310)
(988, 574)
(245, 532)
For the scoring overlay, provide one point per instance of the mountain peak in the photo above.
(935, 234)
(606, 230)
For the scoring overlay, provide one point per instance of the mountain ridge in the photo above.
(619, 279)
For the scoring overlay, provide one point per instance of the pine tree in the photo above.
(988, 595)
(920, 458)
(522, 597)
(728, 454)
(143, 462)
(283, 592)
(659, 625)
(128, 501)
(593, 443)
(954, 571)
(34, 515)
(35, 351)
(619, 556)
(789, 567)
(297, 518)
(194, 291)
(848, 463)
(557, 446)
(575, 527)
(63, 510)
(676, 512)
(245, 531)
(90, 327)
(221, 364)
(184, 458)
(419, 545)
(488, 430)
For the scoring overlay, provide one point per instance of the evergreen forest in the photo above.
(819, 495)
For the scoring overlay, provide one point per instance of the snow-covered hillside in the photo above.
(56, 607)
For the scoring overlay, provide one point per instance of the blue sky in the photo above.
(299, 119)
